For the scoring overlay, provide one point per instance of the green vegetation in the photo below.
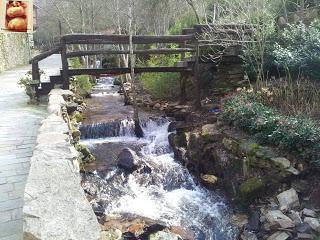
(298, 135)
(81, 85)
(297, 49)
(161, 85)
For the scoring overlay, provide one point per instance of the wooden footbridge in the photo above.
(188, 42)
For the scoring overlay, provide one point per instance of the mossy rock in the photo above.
(78, 117)
(231, 145)
(250, 190)
(76, 134)
(248, 148)
(87, 156)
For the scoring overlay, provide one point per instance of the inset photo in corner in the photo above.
(16, 16)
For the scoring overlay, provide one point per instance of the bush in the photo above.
(161, 85)
(299, 135)
(81, 85)
(298, 49)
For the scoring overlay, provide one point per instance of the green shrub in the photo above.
(298, 49)
(81, 85)
(161, 85)
(299, 135)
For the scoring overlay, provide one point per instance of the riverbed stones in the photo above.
(309, 213)
(277, 219)
(128, 160)
(313, 223)
(279, 236)
(288, 199)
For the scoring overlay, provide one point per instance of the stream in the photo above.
(161, 189)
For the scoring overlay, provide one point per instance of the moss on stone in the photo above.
(250, 190)
(78, 117)
(87, 156)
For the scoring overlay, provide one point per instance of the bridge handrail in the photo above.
(124, 39)
(45, 54)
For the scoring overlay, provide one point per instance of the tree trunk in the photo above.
(137, 127)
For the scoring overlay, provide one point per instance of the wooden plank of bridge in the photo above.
(65, 65)
(123, 39)
(147, 51)
(100, 71)
(45, 54)
(197, 77)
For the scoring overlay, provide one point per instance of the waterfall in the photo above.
(168, 194)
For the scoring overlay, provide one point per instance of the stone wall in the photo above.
(14, 50)
(55, 205)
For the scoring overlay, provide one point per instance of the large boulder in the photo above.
(128, 160)
(288, 199)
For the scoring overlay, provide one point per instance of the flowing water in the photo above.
(166, 192)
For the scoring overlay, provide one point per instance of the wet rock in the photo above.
(309, 213)
(288, 199)
(128, 160)
(209, 180)
(283, 162)
(277, 219)
(211, 133)
(164, 236)
(239, 220)
(313, 223)
(279, 236)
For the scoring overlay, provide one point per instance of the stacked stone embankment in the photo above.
(14, 50)
(55, 204)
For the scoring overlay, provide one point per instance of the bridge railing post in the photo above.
(196, 74)
(183, 77)
(65, 65)
(35, 71)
